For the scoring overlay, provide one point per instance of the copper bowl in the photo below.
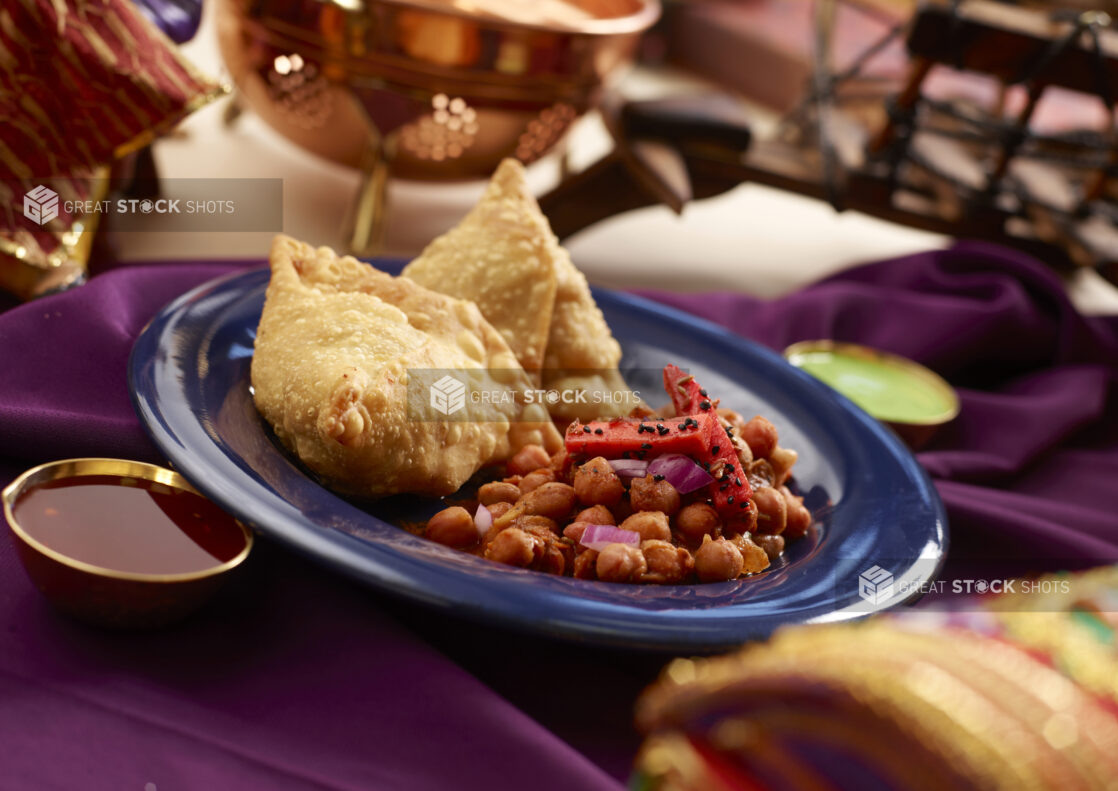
(437, 89)
(105, 596)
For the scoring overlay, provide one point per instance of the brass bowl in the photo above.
(438, 89)
(105, 596)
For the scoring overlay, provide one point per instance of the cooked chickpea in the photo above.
(761, 437)
(499, 509)
(528, 458)
(772, 510)
(760, 473)
(782, 460)
(553, 500)
(585, 566)
(498, 492)
(745, 521)
(773, 545)
(799, 517)
(537, 525)
(736, 421)
(596, 483)
(741, 448)
(754, 558)
(549, 554)
(574, 531)
(718, 561)
(620, 563)
(552, 561)
(651, 525)
(536, 479)
(667, 563)
(697, 520)
(595, 515)
(513, 547)
(453, 527)
(649, 494)
(567, 550)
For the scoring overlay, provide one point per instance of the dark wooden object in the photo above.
(667, 151)
(974, 174)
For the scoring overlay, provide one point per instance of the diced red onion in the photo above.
(680, 471)
(483, 520)
(629, 468)
(599, 536)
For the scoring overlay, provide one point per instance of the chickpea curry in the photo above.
(693, 494)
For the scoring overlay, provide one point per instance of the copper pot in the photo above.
(437, 89)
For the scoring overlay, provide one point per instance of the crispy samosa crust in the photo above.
(504, 257)
(336, 346)
(501, 257)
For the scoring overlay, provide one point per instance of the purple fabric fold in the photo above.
(298, 679)
(1028, 469)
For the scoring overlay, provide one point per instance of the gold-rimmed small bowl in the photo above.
(100, 594)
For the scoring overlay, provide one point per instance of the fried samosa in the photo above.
(338, 371)
(504, 257)
(501, 257)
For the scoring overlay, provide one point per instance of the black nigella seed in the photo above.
(730, 499)
(599, 432)
(681, 426)
(704, 405)
(743, 505)
(586, 429)
(737, 481)
(646, 446)
(657, 477)
(663, 430)
(715, 449)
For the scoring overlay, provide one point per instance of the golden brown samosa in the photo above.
(338, 344)
(504, 257)
(501, 257)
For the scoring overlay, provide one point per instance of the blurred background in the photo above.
(754, 239)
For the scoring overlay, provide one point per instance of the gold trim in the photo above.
(73, 468)
(210, 93)
(863, 352)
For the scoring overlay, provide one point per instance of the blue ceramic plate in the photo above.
(874, 505)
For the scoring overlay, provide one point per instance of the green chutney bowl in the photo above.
(904, 395)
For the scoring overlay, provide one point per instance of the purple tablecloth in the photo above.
(295, 678)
